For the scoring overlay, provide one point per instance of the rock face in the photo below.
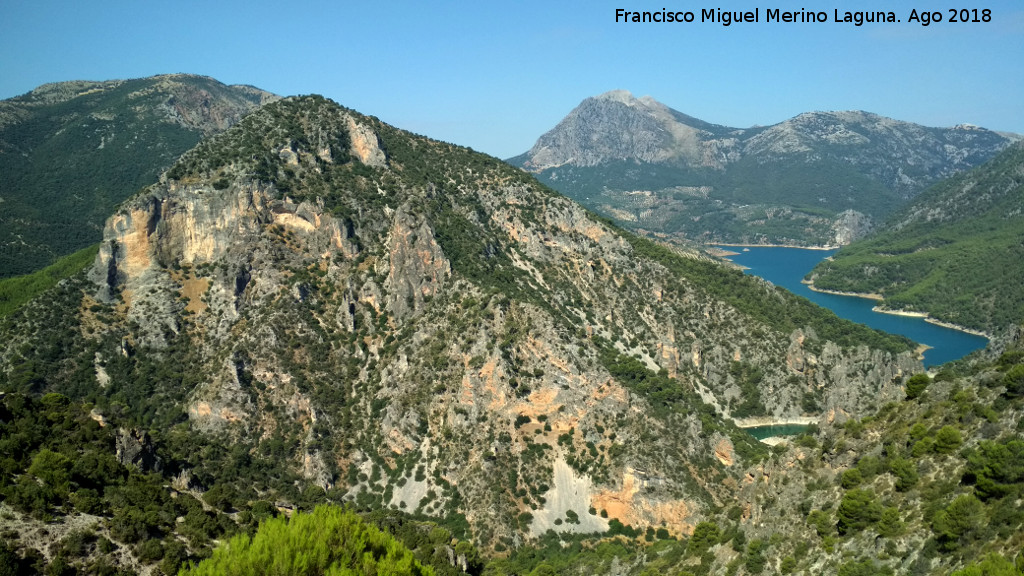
(851, 225)
(903, 156)
(654, 168)
(71, 151)
(617, 126)
(412, 324)
(135, 449)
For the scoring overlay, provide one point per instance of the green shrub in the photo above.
(705, 535)
(150, 551)
(854, 427)
(1014, 381)
(918, 431)
(905, 472)
(821, 521)
(922, 447)
(851, 478)
(947, 440)
(328, 540)
(870, 466)
(916, 385)
(890, 525)
(991, 565)
(755, 560)
(1009, 358)
(957, 521)
(996, 469)
(858, 509)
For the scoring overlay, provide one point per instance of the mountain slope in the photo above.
(930, 484)
(71, 151)
(957, 252)
(818, 178)
(406, 323)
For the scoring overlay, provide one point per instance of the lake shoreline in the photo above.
(905, 313)
(866, 296)
(721, 252)
(759, 421)
(789, 268)
(782, 429)
(927, 318)
(920, 350)
(773, 246)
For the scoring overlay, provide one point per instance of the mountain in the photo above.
(819, 178)
(956, 252)
(71, 151)
(316, 305)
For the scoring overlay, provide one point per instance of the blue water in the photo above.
(786, 267)
(762, 432)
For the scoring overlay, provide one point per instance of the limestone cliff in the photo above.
(70, 152)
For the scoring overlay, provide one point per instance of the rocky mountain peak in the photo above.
(621, 96)
(616, 126)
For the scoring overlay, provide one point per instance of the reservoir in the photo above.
(786, 267)
(776, 430)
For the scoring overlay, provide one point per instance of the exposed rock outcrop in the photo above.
(134, 448)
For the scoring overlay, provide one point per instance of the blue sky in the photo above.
(495, 76)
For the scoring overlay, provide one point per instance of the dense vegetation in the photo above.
(60, 458)
(327, 541)
(956, 253)
(16, 291)
(938, 476)
(784, 202)
(781, 309)
(920, 487)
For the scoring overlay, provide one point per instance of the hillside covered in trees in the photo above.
(956, 253)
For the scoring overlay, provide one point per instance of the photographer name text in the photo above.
(922, 17)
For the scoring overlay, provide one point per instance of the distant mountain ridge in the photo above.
(71, 151)
(656, 169)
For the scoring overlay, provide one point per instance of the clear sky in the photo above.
(495, 76)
